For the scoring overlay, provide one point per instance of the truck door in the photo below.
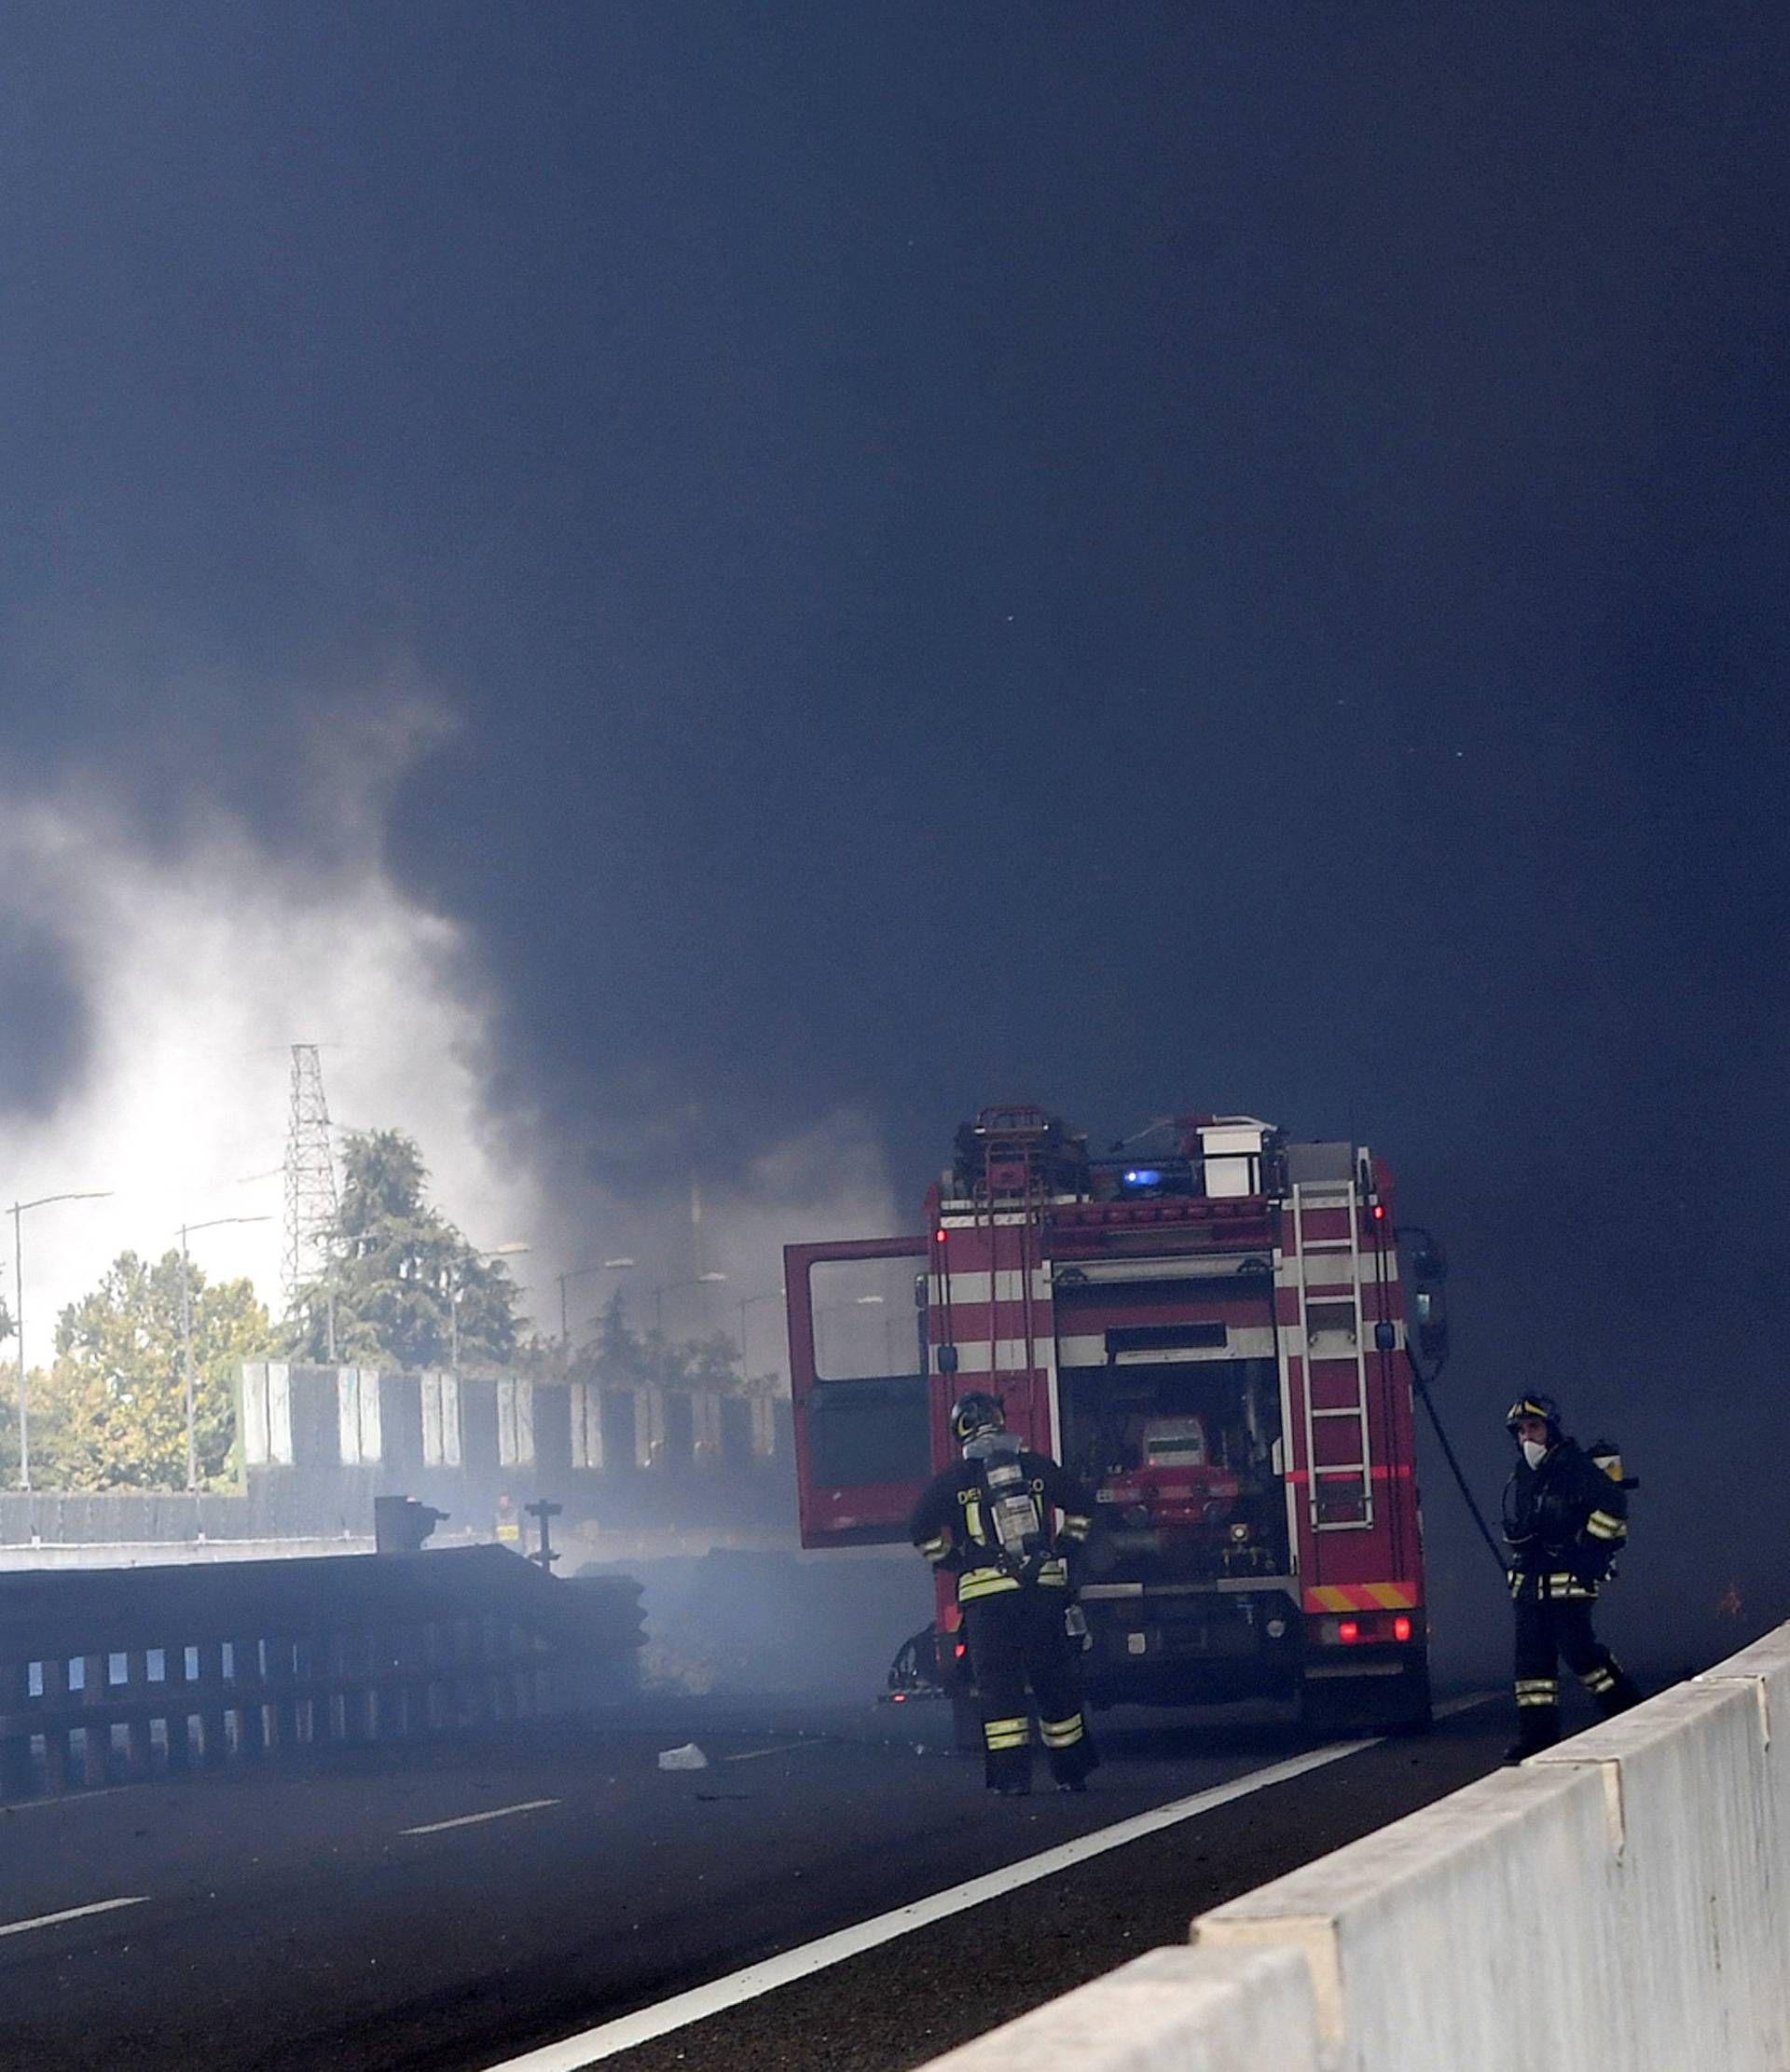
(859, 1383)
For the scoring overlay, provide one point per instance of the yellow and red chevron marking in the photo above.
(1362, 1597)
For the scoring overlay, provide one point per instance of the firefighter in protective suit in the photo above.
(988, 1520)
(1565, 1521)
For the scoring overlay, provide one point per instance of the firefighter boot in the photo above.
(1007, 1763)
(1612, 1688)
(1540, 1730)
(1537, 1717)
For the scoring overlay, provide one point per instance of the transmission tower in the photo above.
(310, 1179)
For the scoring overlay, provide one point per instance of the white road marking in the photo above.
(605, 2041)
(751, 1755)
(71, 1914)
(472, 1820)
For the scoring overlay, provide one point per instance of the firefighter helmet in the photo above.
(976, 1411)
(1534, 1406)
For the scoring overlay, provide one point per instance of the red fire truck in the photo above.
(1213, 1338)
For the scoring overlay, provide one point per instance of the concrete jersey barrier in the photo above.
(1621, 1896)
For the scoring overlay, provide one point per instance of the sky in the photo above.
(697, 591)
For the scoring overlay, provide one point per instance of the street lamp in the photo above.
(751, 1301)
(577, 1273)
(15, 1212)
(187, 1329)
(701, 1281)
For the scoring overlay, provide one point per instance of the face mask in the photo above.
(1534, 1452)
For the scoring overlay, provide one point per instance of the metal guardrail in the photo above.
(111, 1675)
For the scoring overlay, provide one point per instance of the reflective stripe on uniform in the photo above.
(1055, 1571)
(1564, 1585)
(936, 1548)
(1606, 1524)
(1599, 1680)
(1061, 1734)
(1006, 1733)
(984, 1583)
(1076, 1526)
(1538, 1690)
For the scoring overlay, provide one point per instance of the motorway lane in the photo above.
(289, 1918)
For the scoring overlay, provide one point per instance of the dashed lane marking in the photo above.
(605, 2041)
(71, 1914)
(472, 1820)
(751, 1755)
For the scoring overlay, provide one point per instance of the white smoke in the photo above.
(203, 963)
(200, 971)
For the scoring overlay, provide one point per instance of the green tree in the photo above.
(403, 1284)
(620, 1357)
(112, 1411)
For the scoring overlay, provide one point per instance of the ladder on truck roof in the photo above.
(1007, 1198)
(1309, 1196)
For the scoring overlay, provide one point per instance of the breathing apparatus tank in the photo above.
(1013, 1508)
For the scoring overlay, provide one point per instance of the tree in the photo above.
(112, 1411)
(402, 1284)
(620, 1357)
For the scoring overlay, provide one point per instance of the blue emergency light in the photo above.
(1143, 1176)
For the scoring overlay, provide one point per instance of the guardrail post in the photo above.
(251, 1692)
(136, 1688)
(16, 1779)
(213, 1726)
(96, 1732)
(55, 1670)
(178, 1715)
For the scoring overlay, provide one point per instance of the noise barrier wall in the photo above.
(1622, 1898)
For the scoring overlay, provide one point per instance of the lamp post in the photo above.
(577, 1273)
(701, 1281)
(751, 1301)
(17, 1213)
(187, 1329)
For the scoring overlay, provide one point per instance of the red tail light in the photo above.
(1401, 1629)
(1378, 1212)
(963, 1648)
(1349, 1629)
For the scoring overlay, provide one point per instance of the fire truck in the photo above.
(1213, 1338)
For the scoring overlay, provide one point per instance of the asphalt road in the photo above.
(449, 1910)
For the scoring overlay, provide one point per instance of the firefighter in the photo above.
(1565, 1521)
(986, 1519)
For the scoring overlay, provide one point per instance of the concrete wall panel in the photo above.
(1456, 1935)
(1700, 1949)
(1172, 2010)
